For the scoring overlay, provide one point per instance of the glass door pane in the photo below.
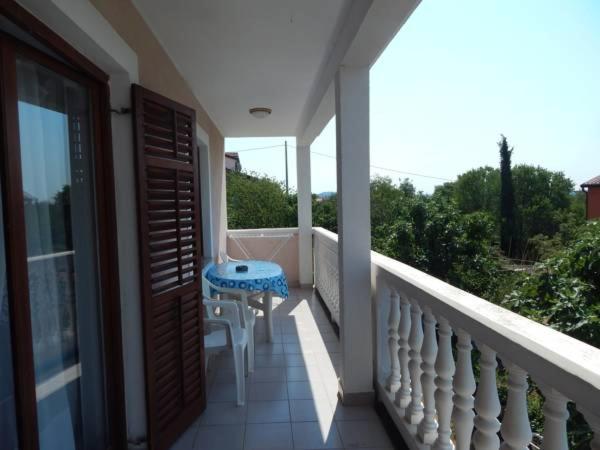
(8, 416)
(56, 159)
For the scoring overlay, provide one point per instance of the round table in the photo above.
(262, 276)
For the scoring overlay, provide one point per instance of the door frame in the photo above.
(80, 69)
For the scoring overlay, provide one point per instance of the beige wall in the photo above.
(279, 245)
(158, 73)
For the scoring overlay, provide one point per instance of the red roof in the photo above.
(593, 182)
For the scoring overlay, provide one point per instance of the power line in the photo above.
(401, 172)
(391, 170)
(256, 148)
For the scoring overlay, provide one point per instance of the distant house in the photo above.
(232, 162)
(592, 197)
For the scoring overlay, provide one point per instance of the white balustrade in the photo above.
(427, 430)
(487, 403)
(515, 429)
(403, 394)
(434, 400)
(555, 419)
(464, 387)
(414, 412)
(393, 381)
(326, 270)
(444, 368)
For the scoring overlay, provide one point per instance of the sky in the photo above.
(457, 76)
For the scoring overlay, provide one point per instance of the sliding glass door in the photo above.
(59, 380)
(57, 177)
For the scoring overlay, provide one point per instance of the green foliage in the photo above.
(478, 190)
(431, 234)
(563, 291)
(325, 212)
(255, 201)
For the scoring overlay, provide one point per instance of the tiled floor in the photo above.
(292, 395)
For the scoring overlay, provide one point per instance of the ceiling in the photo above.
(238, 54)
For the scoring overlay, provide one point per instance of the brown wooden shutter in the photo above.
(170, 250)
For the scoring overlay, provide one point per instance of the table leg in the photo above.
(268, 311)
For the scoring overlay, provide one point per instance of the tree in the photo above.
(478, 190)
(507, 200)
(255, 201)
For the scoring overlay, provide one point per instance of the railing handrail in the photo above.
(262, 232)
(567, 364)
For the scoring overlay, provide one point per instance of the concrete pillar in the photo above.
(354, 233)
(305, 255)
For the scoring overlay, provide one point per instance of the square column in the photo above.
(354, 233)
(305, 255)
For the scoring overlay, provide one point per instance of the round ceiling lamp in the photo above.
(260, 113)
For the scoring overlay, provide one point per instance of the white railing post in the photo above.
(464, 387)
(305, 256)
(487, 403)
(403, 394)
(414, 412)
(427, 429)
(444, 367)
(555, 419)
(515, 428)
(393, 381)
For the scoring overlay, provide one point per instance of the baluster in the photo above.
(414, 412)
(555, 419)
(444, 367)
(515, 429)
(594, 422)
(464, 387)
(403, 394)
(487, 403)
(428, 427)
(393, 381)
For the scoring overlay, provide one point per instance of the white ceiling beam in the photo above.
(368, 29)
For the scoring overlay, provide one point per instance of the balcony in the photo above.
(426, 334)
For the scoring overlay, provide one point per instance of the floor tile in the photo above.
(186, 440)
(315, 435)
(269, 361)
(363, 434)
(290, 338)
(311, 410)
(268, 436)
(223, 413)
(268, 349)
(224, 393)
(299, 390)
(224, 376)
(302, 373)
(268, 412)
(348, 413)
(296, 360)
(276, 390)
(223, 437)
(266, 374)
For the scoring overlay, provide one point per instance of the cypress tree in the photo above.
(507, 201)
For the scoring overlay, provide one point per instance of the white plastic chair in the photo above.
(225, 331)
(226, 258)
(248, 316)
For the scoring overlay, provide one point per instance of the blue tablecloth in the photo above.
(261, 276)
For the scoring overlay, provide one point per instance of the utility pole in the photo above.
(287, 188)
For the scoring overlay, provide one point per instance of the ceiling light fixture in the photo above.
(260, 113)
